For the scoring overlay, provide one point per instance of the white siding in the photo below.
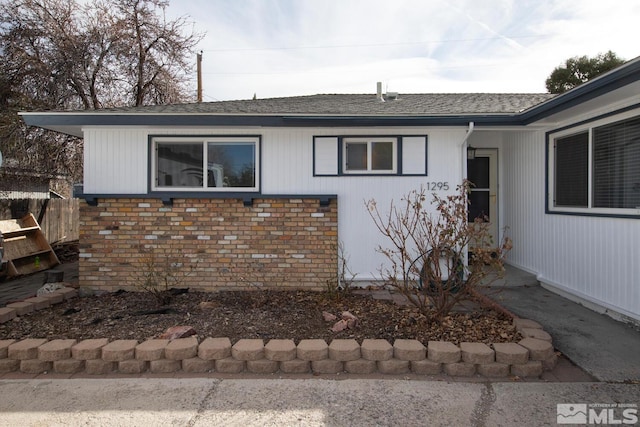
(592, 257)
(115, 161)
(413, 155)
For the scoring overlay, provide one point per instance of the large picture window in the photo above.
(206, 164)
(597, 170)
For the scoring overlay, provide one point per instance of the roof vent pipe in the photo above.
(379, 92)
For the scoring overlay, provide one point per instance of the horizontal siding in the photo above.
(596, 258)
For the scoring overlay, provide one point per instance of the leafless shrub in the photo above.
(429, 258)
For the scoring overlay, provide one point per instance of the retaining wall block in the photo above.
(248, 349)
(376, 349)
(493, 370)
(21, 307)
(262, 366)
(152, 349)
(344, 350)
(476, 352)
(312, 350)
(360, 366)
(426, 367)
(229, 365)
(197, 365)
(56, 350)
(295, 366)
(538, 349)
(132, 366)
(164, 366)
(460, 369)
(393, 366)
(182, 348)
(510, 353)
(280, 350)
(89, 349)
(4, 348)
(99, 367)
(38, 302)
(9, 365)
(214, 348)
(35, 366)
(443, 352)
(526, 323)
(119, 350)
(53, 298)
(7, 313)
(25, 349)
(409, 350)
(327, 366)
(536, 333)
(68, 366)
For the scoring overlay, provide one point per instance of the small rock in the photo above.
(176, 332)
(352, 321)
(341, 325)
(208, 305)
(328, 317)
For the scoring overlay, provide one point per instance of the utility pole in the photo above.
(199, 71)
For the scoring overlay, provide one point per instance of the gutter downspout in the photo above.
(464, 146)
(463, 157)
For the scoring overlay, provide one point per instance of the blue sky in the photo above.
(301, 47)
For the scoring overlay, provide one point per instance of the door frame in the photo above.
(494, 191)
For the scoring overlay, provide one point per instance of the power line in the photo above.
(342, 46)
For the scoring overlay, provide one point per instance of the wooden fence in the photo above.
(58, 218)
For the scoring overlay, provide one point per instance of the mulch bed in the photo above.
(262, 314)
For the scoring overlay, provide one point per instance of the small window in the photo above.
(211, 164)
(370, 156)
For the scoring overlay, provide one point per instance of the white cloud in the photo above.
(296, 47)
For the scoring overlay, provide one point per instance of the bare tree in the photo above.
(62, 54)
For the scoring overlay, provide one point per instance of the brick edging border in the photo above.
(527, 358)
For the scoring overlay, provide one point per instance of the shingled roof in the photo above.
(356, 105)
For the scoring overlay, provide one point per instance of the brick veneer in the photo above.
(215, 244)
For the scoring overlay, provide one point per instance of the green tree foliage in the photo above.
(580, 69)
(70, 54)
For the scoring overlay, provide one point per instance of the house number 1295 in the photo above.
(433, 186)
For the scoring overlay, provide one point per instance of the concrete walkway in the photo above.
(607, 349)
(310, 402)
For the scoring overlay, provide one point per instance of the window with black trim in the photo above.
(371, 155)
(206, 163)
(597, 169)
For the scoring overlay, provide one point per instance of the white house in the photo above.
(219, 182)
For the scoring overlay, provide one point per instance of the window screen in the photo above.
(616, 165)
(572, 170)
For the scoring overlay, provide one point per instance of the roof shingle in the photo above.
(355, 105)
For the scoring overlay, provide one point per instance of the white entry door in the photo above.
(482, 171)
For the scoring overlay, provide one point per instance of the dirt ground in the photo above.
(268, 315)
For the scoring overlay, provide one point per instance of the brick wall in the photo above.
(209, 244)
